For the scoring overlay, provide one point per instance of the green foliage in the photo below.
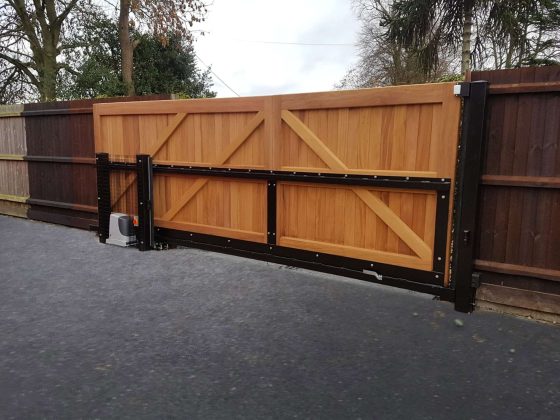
(451, 78)
(158, 68)
(169, 68)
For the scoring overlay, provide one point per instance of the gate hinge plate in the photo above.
(475, 280)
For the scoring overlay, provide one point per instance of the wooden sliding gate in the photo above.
(353, 182)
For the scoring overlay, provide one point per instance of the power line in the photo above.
(318, 44)
(217, 77)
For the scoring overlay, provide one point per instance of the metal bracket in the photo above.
(462, 89)
(475, 281)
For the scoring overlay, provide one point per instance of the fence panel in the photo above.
(14, 181)
(61, 158)
(518, 226)
(389, 136)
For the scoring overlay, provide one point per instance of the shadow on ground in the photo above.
(96, 331)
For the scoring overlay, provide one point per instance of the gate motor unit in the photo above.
(121, 230)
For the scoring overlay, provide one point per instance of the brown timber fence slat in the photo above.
(47, 161)
(519, 212)
(14, 183)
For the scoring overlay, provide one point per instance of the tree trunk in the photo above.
(467, 35)
(127, 48)
(49, 70)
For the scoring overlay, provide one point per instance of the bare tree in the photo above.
(31, 40)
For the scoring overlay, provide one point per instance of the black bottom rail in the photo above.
(349, 267)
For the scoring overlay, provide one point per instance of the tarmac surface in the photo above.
(96, 331)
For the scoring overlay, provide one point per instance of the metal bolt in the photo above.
(371, 265)
(268, 233)
(270, 248)
(191, 234)
(141, 203)
(443, 179)
(139, 161)
(228, 241)
(439, 258)
(99, 198)
(437, 276)
(273, 234)
(407, 178)
(345, 176)
(443, 196)
(317, 255)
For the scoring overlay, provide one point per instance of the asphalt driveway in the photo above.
(96, 331)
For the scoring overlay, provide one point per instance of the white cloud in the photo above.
(234, 45)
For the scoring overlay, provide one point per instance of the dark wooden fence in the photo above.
(518, 251)
(59, 154)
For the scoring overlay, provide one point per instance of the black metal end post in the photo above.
(144, 173)
(103, 195)
(468, 178)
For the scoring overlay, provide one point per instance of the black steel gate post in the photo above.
(468, 178)
(103, 195)
(271, 212)
(145, 202)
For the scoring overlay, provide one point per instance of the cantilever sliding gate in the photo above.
(357, 183)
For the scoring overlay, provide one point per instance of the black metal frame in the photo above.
(103, 195)
(145, 234)
(468, 177)
(424, 281)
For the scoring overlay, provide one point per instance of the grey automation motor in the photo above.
(121, 230)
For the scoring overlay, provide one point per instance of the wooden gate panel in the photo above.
(368, 140)
(335, 220)
(399, 132)
(223, 207)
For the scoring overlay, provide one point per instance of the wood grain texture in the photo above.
(14, 175)
(398, 131)
(519, 229)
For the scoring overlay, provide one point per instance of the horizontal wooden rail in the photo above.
(14, 198)
(61, 159)
(521, 181)
(62, 205)
(527, 299)
(517, 270)
(11, 157)
(50, 159)
(510, 88)
(49, 112)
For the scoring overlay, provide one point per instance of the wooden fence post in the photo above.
(468, 178)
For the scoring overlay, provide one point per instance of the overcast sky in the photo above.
(239, 45)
